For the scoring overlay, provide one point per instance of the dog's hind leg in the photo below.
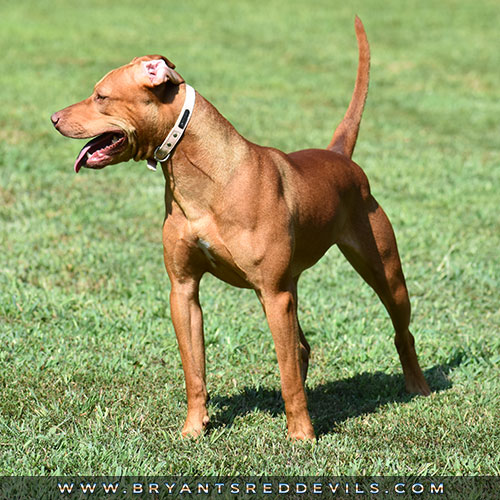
(305, 349)
(369, 245)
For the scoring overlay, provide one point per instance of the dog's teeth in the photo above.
(88, 155)
(115, 139)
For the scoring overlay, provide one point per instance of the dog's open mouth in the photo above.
(101, 150)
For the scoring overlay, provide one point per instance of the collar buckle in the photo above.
(162, 159)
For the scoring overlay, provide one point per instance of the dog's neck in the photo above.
(205, 159)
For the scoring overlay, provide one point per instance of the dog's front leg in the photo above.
(188, 324)
(281, 312)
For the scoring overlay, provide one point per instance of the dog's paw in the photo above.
(302, 434)
(418, 386)
(195, 429)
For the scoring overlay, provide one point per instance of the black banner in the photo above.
(154, 488)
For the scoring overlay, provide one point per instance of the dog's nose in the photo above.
(55, 119)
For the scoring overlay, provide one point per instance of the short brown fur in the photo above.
(254, 217)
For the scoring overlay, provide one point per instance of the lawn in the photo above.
(90, 376)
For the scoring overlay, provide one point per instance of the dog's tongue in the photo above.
(91, 147)
(82, 157)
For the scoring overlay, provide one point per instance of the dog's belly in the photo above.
(313, 244)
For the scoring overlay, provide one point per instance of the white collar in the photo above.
(162, 153)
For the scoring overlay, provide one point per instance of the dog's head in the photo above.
(127, 115)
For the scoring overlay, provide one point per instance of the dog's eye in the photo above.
(100, 97)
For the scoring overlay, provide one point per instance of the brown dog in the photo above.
(252, 216)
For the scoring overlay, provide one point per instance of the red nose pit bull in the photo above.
(253, 216)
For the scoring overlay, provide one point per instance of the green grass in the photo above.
(90, 375)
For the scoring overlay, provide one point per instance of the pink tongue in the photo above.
(80, 161)
(91, 146)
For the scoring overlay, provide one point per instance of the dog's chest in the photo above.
(217, 253)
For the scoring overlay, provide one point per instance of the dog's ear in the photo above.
(159, 71)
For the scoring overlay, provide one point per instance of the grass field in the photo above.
(90, 375)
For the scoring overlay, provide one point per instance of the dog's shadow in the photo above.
(333, 402)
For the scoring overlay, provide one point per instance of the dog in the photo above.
(253, 216)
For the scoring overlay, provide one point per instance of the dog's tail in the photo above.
(344, 138)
